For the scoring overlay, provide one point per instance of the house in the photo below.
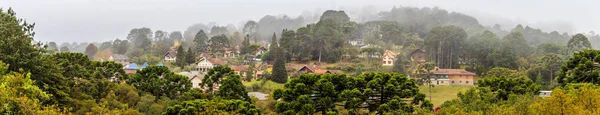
(452, 77)
(131, 68)
(260, 50)
(170, 56)
(228, 53)
(207, 63)
(195, 77)
(388, 58)
(240, 69)
(313, 69)
(545, 93)
(418, 55)
(119, 58)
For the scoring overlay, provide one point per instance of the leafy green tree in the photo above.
(515, 42)
(90, 51)
(279, 72)
(159, 81)
(181, 60)
(141, 38)
(443, 45)
(120, 46)
(327, 39)
(105, 45)
(64, 49)
(176, 35)
(214, 76)
(232, 88)
(552, 62)
(218, 30)
(218, 43)
(500, 71)
(503, 86)
(577, 43)
(581, 68)
(339, 16)
(251, 71)
(399, 64)
(201, 41)
(190, 57)
(213, 106)
(289, 43)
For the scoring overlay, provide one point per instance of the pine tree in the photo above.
(279, 71)
(270, 56)
(180, 61)
(201, 39)
(245, 44)
(250, 72)
(399, 64)
(189, 56)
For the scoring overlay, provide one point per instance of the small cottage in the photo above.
(388, 58)
(170, 56)
(207, 63)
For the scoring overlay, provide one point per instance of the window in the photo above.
(452, 81)
(442, 81)
(467, 81)
(459, 81)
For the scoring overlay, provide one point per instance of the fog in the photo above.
(96, 21)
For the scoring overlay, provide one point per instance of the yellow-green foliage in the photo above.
(579, 99)
(441, 94)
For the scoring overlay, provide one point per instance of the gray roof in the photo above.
(259, 95)
(119, 57)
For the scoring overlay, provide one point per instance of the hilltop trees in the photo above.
(90, 51)
(218, 43)
(444, 45)
(160, 81)
(201, 39)
(141, 38)
(577, 43)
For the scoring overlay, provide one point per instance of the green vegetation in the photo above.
(443, 93)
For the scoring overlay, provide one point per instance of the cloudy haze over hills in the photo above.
(94, 21)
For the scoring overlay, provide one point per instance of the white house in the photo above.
(170, 56)
(388, 58)
(194, 77)
(207, 63)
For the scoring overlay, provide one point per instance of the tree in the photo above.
(577, 43)
(218, 43)
(339, 16)
(176, 35)
(218, 30)
(120, 46)
(581, 68)
(503, 86)
(328, 37)
(399, 64)
(379, 92)
(201, 39)
(214, 77)
(181, 61)
(251, 28)
(503, 72)
(270, 56)
(212, 106)
(279, 71)
(250, 72)
(90, 51)
(232, 88)
(141, 38)
(64, 49)
(552, 62)
(160, 35)
(159, 81)
(52, 47)
(245, 45)
(443, 45)
(190, 57)
(289, 43)
(515, 42)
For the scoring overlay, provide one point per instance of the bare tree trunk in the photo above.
(320, 55)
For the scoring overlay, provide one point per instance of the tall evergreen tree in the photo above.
(201, 39)
(245, 44)
(189, 56)
(90, 51)
(270, 56)
(279, 73)
(180, 61)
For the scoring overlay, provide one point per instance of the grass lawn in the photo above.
(441, 94)
(267, 87)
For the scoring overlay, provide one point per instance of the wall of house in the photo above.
(440, 81)
(204, 64)
(461, 79)
(388, 61)
(196, 82)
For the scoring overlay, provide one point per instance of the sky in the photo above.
(103, 20)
